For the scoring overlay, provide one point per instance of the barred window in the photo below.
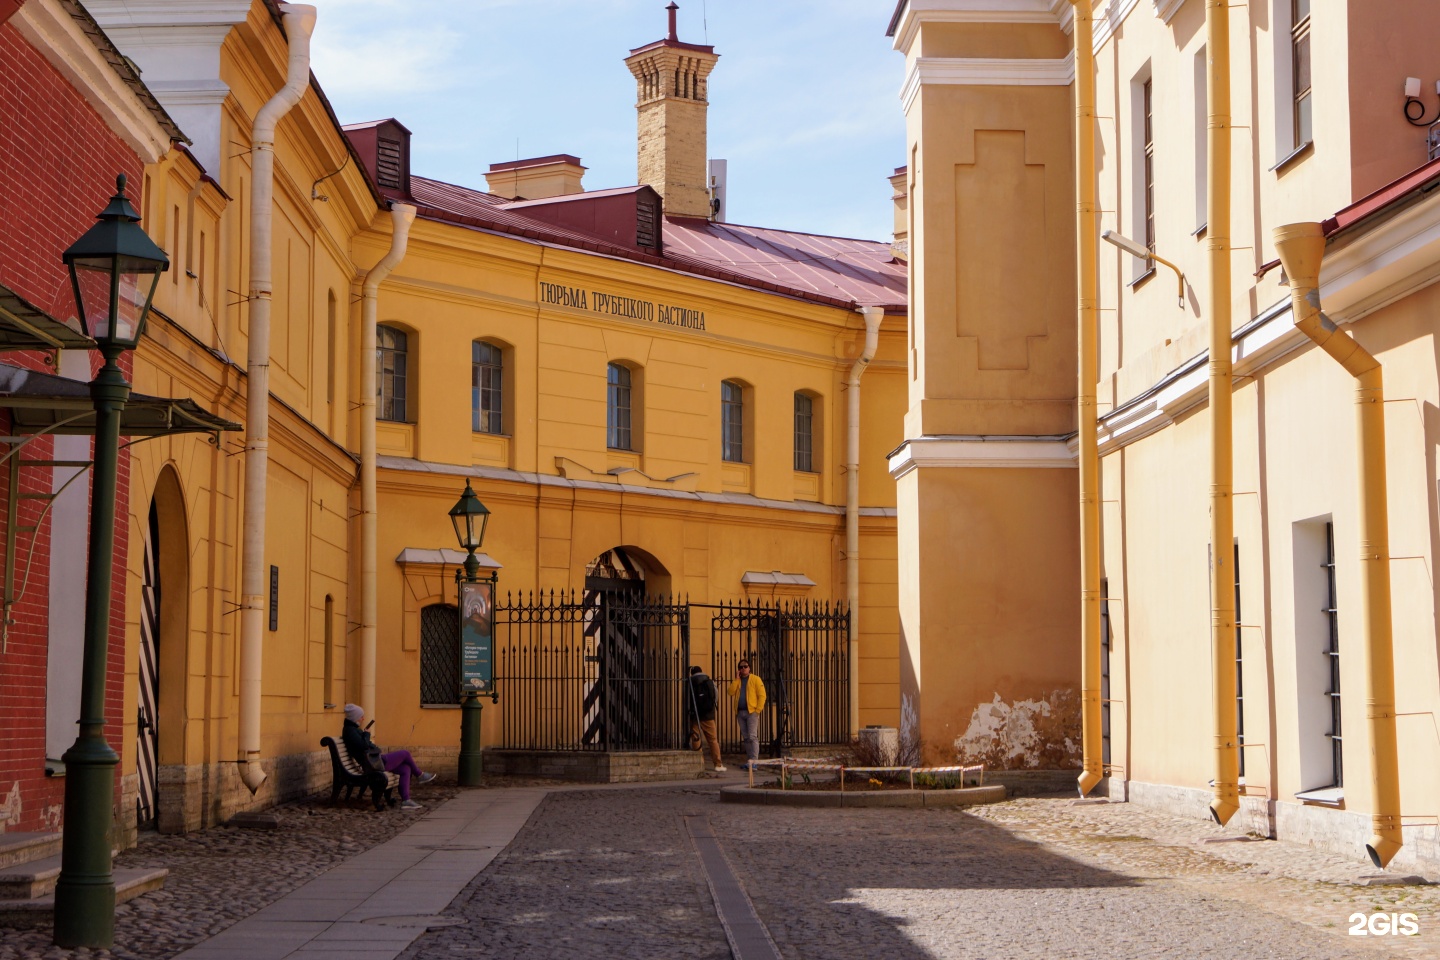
(486, 388)
(390, 373)
(440, 654)
(804, 433)
(732, 422)
(617, 408)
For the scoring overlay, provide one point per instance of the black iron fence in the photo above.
(800, 650)
(606, 670)
(588, 672)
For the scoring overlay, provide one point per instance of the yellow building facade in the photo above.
(1312, 714)
(712, 512)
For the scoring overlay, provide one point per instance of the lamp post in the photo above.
(114, 269)
(469, 517)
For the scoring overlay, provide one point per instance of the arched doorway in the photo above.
(636, 648)
(165, 589)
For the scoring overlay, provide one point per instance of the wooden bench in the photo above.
(347, 773)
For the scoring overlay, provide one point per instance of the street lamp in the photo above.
(477, 604)
(114, 269)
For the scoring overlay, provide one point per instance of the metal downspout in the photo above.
(1301, 247)
(402, 215)
(299, 22)
(873, 316)
(1226, 800)
(1087, 227)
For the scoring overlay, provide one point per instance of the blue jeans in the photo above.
(750, 733)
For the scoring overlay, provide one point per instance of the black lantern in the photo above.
(469, 516)
(115, 268)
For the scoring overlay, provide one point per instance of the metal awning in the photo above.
(44, 403)
(24, 326)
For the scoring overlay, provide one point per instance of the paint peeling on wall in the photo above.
(11, 809)
(909, 718)
(1025, 734)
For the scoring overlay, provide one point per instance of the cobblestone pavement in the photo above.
(613, 874)
(223, 874)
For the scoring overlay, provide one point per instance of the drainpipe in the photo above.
(1087, 228)
(1226, 800)
(1301, 247)
(873, 316)
(401, 215)
(299, 22)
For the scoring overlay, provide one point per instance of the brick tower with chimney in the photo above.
(671, 99)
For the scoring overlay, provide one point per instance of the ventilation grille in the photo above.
(647, 223)
(390, 164)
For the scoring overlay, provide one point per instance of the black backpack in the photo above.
(702, 693)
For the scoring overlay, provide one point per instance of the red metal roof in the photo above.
(863, 272)
(831, 270)
(1418, 179)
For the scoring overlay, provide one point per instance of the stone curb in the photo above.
(963, 797)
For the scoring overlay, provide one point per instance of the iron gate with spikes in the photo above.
(605, 669)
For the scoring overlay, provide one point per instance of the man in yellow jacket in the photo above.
(748, 693)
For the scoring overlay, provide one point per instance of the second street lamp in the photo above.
(477, 604)
(114, 268)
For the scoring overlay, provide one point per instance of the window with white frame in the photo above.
(1141, 219)
(732, 421)
(618, 435)
(391, 375)
(1300, 69)
(1202, 141)
(487, 378)
(1294, 111)
(804, 433)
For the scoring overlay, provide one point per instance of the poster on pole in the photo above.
(477, 659)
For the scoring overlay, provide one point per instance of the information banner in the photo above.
(477, 647)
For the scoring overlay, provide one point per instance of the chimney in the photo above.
(901, 197)
(671, 99)
(539, 178)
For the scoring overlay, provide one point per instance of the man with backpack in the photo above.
(700, 708)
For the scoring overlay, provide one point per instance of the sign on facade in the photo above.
(477, 647)
(614, 305)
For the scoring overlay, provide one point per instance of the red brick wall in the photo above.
(60, 162)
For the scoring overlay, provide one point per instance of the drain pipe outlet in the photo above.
(1301, 247)
(299, 22)
(873, 316)
(401, 216)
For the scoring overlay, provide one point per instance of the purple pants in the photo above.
(400, 761)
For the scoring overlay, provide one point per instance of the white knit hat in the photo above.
(354, 713)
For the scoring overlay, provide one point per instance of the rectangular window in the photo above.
(617, 408)
(1106, 643)
(732, 422)
(1202, 141)
(329, 653)
(390, 373)
(486, 388)
(1332, 655)
(1239, 670)
(1149, 147)
(1300, 69)
(804, 433)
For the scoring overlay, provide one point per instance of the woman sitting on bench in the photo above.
(357, 742)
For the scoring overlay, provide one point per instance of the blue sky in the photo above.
(804, 103)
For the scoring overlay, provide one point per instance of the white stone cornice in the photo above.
(978, 71)
(1165, 9)
(976, 11)
(1360, 274)
(50, 29)
(1024, 453)
(177, 43)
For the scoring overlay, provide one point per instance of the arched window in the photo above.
(440, 654)
(732, 421)
(487, 388)
(804, 432)
(390, 374)
(618, 434)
